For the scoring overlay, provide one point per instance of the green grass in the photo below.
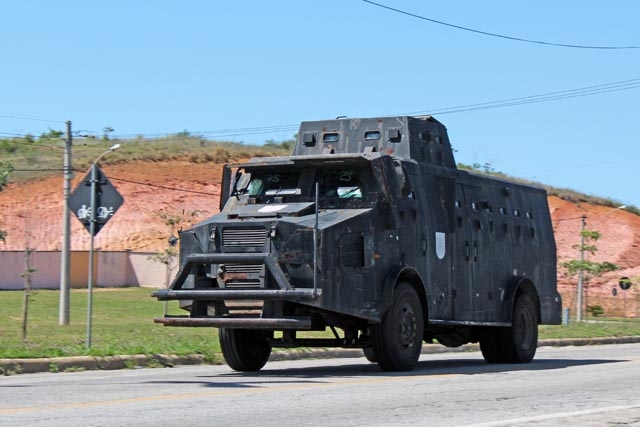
(123, 324)
(599, 327)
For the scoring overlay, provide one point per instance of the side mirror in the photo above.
(225, 190)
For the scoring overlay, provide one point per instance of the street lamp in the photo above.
(92, 225)
(613, 210)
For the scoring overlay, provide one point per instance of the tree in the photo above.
(105, 133)
(5, 170)
(587, 269)
(486, 168)
(167, 256)
(52, 134)
(26, 275)
(286, 144)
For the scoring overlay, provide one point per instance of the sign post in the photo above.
(625, 284)
(103, 200)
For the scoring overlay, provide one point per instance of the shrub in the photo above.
(595, 310)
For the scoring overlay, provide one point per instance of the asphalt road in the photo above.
(569, 386)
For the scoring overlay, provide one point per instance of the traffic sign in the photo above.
(107, 200)
(624, 283)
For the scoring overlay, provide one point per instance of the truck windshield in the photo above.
(341, 183)
(333, 183)
(271, 184)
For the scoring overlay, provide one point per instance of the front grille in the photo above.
(244, 308)
(244, 268)
(244, 237)
(247, 276)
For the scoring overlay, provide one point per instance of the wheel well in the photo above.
(526, 286)
(414, 280)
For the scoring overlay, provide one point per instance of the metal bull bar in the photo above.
(285, 293)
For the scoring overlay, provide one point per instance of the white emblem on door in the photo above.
(441, 245)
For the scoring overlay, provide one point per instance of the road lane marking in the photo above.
(554, 416)
(227, 392)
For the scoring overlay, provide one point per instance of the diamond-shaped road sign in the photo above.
(108, 200)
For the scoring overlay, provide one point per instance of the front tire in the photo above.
(397, 341)
(244, 349)
(491, 345)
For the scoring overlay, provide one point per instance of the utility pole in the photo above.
(65, 274)
(580, 272)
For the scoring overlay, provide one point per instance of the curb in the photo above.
(86, 363)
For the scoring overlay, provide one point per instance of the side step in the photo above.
(297, 323)
(237, 294)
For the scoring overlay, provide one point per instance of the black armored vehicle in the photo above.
(370, 232)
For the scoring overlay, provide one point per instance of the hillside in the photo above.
(32, 215)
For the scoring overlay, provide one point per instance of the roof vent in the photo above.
(309, 139)
(394, 135)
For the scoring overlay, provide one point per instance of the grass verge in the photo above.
(122, 324)
(593, 328)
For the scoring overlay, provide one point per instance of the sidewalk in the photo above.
(84, 363)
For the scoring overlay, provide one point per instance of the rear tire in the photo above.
(244, 349)
(517, 343)
(397, 341)
(370, 354)
(521, 339)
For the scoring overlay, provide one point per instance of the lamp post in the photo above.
(92, 225)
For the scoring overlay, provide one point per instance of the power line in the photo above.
(38, 170)
(33, 119)
(575, 46)
(160, 186)
(16, 135)
(221, 132)
(569, 219)
(545, 97)
(509, 102)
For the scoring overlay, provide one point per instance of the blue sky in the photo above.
(252, 70)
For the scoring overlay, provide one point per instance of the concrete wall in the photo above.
(111, 269)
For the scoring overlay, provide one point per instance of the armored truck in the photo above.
(370, 233)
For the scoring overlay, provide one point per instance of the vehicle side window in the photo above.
(255, 186)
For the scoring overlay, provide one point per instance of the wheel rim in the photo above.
(407, 326)
(524, 328)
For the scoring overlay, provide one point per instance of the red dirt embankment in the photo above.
(31, 213)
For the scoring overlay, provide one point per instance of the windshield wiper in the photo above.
(284, 191)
